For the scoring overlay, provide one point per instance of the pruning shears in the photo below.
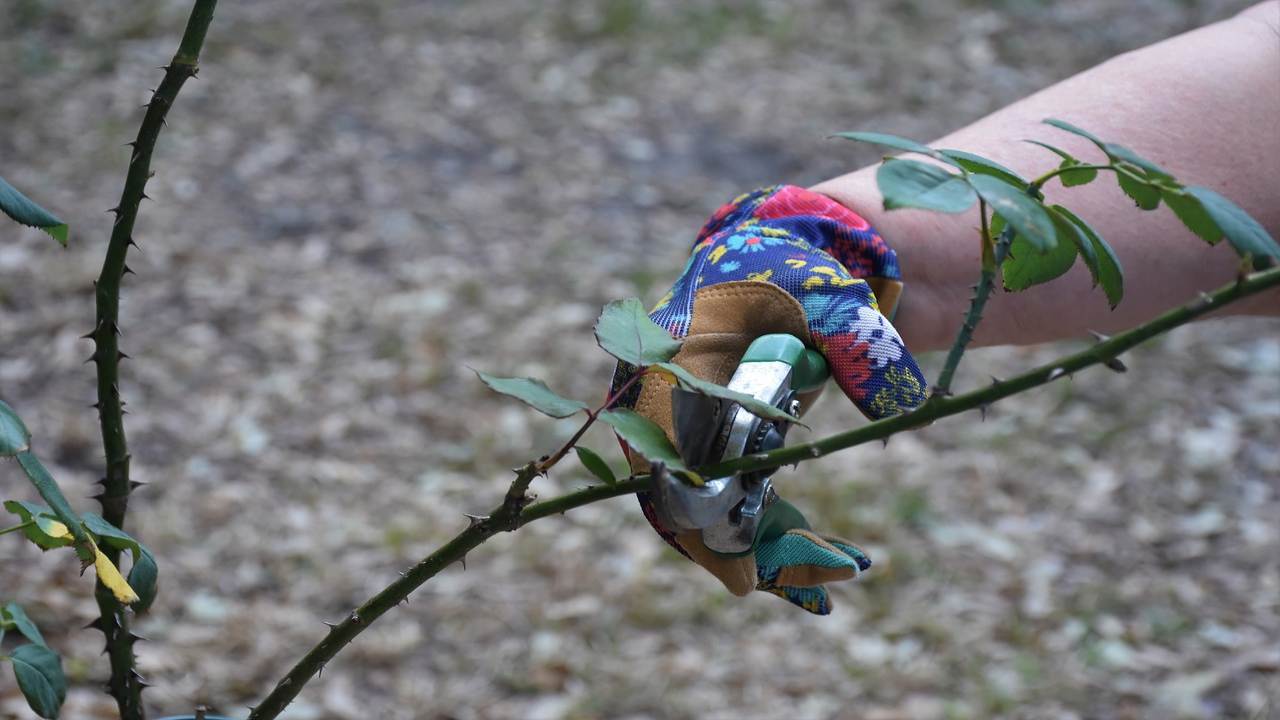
(727, 510)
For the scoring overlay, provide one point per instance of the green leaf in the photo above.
(1081, 176)
(40, 678)
(596, 464)
(1064, 125)
(644, 436)
(983, 166)
(1110, 274)
(144, 573)
(625, 331)
(759, 408)
(534, 393)
(1120, 153)
(1024, 213)
(45, 532)
(1056, 151)
(893, 141)
(1243, 232)
(1192, 214)
(1027, 266)
(913, 184)
(14, 436)
(1067, 229)
(22, 210)
(13, 613)
(1146, 195)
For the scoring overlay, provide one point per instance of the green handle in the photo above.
(808, 367)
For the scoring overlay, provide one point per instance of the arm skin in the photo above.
(1204, 105)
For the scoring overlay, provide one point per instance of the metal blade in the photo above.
(697, 420)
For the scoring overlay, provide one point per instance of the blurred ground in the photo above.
(357, 200)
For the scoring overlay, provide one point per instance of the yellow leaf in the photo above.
(110, 576)
(57, 529)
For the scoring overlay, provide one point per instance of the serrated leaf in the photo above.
(1145, 195)
(534, 393)
(1078, 176)
(40, 678)
(983, 166)
(13, 613)
(1244, 233)
(14, 436)
(625, 331)
(144, 572)
(1026, 266)
(757, 407)
(643, 436)
(23, 210)
(596, 465)
(913, 184)
(1025, 214)
(1067, 229)
(1110, 273)
(47, 533)
(1192, 214)
(887, 140)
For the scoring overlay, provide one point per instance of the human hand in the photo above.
(784, 260)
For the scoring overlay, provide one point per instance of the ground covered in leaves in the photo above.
(358, 200)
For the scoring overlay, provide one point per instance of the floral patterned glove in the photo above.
(784, 259)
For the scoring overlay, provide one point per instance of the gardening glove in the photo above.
(783, 260)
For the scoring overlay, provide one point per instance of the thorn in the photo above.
(131, 143)
(98, 497)
(120, 355)
(95, 625)
(128, 271)
(89, 335)
(131, 242)
(995, 380)
(463, 560)
(474, 520)
(135, 637)
(320, 672)
(92, 358)
(329, 624)
(96, 406)
(982, 409)
(1099, 336)
(135, 484)
(884, 442)
(1055, 373)
(145, 197)
(115, 210)
(1115, 364)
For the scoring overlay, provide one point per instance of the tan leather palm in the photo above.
(726, 319)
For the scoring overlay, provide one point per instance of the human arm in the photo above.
(1204, 105)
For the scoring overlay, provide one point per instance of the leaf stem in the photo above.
(512, 516)
(546, 464)
(16, 528)
(125, 684)
(982, 291)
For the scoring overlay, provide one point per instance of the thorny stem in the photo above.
(125, 684)
(514, 515)
(981, 292)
